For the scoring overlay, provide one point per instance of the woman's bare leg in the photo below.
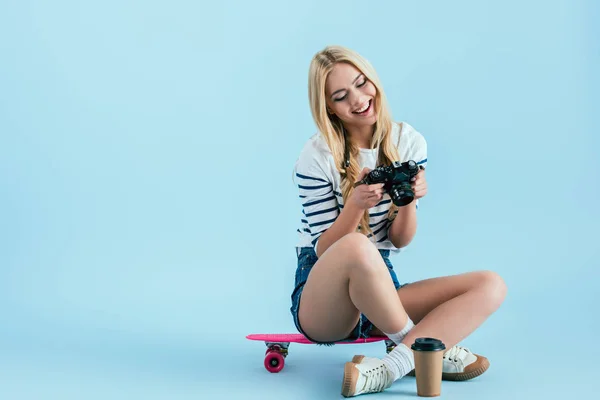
(450, 308)
(422, 297)
(350, 276)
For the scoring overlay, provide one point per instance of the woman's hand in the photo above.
(364, 197)
(419, 184)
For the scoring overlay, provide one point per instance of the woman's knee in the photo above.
(354, 239)
(360, 252)
(493, 288)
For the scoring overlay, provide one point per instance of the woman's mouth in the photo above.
(365, 109)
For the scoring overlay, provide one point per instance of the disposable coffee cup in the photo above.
(428, 354)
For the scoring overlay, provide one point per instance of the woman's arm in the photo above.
(344, 224)
(403, 228)
(362, 198)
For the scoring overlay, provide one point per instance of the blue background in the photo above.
(148, 216)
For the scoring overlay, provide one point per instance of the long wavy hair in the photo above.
(333, 129)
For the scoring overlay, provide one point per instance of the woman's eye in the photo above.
(362, 83)
(341, 98)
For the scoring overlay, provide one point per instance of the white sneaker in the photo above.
(459, 364)
(370, 376)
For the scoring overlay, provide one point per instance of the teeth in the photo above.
(364, 108)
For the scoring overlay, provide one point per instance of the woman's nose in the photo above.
(358, 101)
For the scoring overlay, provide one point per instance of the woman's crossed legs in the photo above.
(351, 278)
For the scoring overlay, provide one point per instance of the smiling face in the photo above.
(351, 96)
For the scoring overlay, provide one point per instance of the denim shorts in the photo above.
(306, 260)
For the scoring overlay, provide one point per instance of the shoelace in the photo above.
(376, 379)
(454, 353)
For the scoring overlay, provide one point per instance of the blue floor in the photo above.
(117, 365)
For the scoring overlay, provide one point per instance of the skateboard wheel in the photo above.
(274, 362)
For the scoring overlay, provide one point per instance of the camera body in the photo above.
(396, 179)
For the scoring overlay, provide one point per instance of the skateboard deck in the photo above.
(278, 344)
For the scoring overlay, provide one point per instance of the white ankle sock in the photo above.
(400, 361)
(399, 336)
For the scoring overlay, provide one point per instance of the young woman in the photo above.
(345, 284)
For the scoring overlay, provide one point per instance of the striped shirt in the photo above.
(318, 182)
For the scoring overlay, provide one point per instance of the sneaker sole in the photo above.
(462, 376)
(350, 379)
(447, 376)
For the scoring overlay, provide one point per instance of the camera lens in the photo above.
(402, 194)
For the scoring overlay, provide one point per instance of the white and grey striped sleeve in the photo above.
(319, 204)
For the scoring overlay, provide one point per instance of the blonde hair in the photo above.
(333, 129)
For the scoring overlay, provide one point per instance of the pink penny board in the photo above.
(278, 343)
(299, 338)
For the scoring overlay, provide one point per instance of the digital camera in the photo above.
(396, 179)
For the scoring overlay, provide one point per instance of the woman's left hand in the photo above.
(419, 184)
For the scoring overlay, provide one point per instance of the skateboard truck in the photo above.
(389, 345)
(280, 347)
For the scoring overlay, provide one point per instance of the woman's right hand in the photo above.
(366, 196)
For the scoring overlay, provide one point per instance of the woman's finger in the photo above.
(421, 191)
(418, 180)
(420, 175)
(375, 186)
(365, 171)
(374, 196)
(373, 201)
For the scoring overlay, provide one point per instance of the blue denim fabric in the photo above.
(306, 259)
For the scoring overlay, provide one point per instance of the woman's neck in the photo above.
(361, 136)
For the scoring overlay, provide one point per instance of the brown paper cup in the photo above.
(428, 354)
